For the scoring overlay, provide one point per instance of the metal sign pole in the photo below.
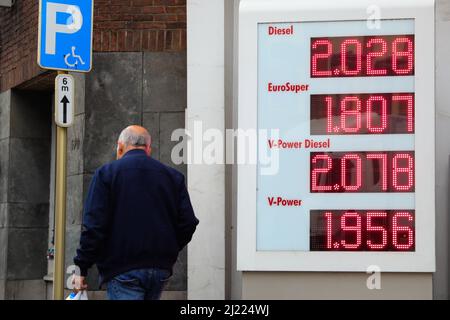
(73, 52)
(60, 210)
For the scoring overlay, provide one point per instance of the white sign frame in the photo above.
(253, 12)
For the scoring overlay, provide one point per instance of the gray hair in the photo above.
(130, 137)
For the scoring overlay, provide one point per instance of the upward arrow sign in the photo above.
(65, 101)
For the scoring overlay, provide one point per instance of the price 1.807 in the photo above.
(376, 113)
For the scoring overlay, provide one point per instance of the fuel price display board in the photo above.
(344, 113)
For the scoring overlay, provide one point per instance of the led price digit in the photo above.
(364, 56)
(362, 172)
(379, 113)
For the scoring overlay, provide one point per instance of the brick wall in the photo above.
(119, 26)
(18, 43)
(140, 25)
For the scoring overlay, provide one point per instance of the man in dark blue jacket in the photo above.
(137, 218)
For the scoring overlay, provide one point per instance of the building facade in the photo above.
(138, 77)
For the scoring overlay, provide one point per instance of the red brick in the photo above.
(145, 40)
(113, 46)
(160, 40)
(177, 40)
(165, 17)
(129, 40)
(181, 9)
(137, 40)
(106, 41)
(121, 40)
(97, 41)
(153, 40)
(145, 25)
(151, 10)
(137, 3)
(165, 2)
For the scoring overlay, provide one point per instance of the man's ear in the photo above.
(148, 150)
(120, 150)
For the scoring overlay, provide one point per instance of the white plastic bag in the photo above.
(81, 295)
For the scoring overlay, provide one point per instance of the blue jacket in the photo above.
(137, 215)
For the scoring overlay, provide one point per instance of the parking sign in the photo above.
(65, 35)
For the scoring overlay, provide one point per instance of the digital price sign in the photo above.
(344, 114)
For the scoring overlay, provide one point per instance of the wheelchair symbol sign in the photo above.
(65, 35)
(74, 56)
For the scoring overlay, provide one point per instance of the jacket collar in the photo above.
(135, 152)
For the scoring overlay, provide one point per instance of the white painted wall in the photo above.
(233, 277)
(206, 183)
(441, 280)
